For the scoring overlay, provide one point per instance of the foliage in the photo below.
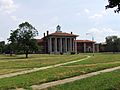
(2, 46)
(72, 53)
(114, 3)
(22, 39)
(113, 44)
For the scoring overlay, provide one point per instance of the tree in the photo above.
(113, 44)
(7, 49)
(13, 46)
(114, 3)
(2, 46)
(22, 39)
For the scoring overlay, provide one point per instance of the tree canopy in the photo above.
(114, 3)
(113, 44)
(22, 39)
(2, 45)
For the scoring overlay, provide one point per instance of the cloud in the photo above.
(107, 31)
(1, 39)
(87, 11)
(101, 33)
(78, 13)
(54, 20)
(98, 15)
(14, 18)
(8, 6)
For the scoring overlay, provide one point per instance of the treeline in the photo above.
(112, 44)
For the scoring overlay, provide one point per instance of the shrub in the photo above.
(61, 53)
(72, 53)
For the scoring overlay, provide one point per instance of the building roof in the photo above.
(84, 41)
(39, 40)
(62, 34)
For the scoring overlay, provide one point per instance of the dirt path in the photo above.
(54, 83)
(42, 68)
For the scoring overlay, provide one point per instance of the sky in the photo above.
(77, 16)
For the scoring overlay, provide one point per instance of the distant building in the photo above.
(62, 42)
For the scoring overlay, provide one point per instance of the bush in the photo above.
(72, 53)
(61, 53)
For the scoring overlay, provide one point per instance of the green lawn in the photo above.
(17, 63)
(104, 81)
(95, 63)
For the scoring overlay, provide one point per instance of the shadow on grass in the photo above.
(8, 57)
(12, 58)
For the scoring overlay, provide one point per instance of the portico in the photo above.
(60, 42)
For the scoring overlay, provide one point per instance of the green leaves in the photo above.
(23, 38)
(114, 3)
(113, 43)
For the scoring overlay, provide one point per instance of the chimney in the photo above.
(44, 34)
(71, 32)
(47, 33)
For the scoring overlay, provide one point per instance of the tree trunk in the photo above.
(10, 53)
(26, 55)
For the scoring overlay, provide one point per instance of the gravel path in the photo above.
(54, 83)
(42, 68)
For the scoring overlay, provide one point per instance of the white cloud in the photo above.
(101, 33)
(78, 13)
(14, 18)
(98, 15)
(8, 6)
(87, 11)
(54, 20)
(1, 39)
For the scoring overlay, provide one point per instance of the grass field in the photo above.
(106, 81)
(18, 63)
(95, 63)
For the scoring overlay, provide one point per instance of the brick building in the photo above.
(62, 42)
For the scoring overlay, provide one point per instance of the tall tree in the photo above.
(23, 38)
(114, 3)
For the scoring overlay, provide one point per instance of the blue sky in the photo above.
(78, 16)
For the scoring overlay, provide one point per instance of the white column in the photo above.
(70, 44)
(61, 45)
(66, 44)
(50, 45)
(93, 48)
(84, 47)
(55, 45)
(97, 47)
(75, 47)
